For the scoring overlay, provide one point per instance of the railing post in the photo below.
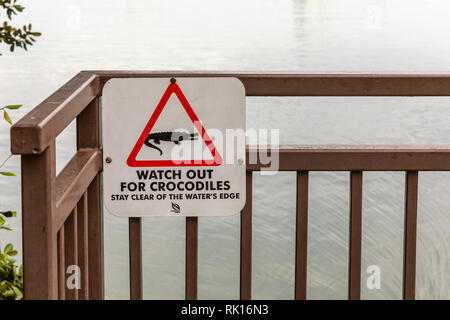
(191, 258)
(301, 235)
(246, 242)
(135, 249)
(354, 265)
(410, 238)
(88, 136)
(39, 238)
(71, 251)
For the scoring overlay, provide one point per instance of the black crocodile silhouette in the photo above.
(175, 137)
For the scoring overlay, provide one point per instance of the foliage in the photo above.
(11, 275)
(15, 37)
(3, 216)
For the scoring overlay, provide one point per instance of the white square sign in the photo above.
(173, 147)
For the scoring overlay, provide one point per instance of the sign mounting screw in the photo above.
(108, 160)
(173, 80)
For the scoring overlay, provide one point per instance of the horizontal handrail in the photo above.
(354, 158)
(314, 84)
(35, 131)
(74, 180)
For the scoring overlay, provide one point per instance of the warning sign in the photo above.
(173, 147)
(150, 139)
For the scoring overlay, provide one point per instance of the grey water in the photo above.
(260, 35)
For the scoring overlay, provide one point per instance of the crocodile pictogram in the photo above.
(171, 136)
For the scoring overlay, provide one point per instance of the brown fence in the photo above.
(62, 215)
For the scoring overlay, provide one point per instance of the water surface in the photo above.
(258, 35)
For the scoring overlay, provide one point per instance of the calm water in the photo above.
(289, 35)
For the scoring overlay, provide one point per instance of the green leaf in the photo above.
(13, 253)
(9, 174)
(9, 214)
(2, 220)
(6, 228)
(14, 106)
(6, 116)
(8, 293)
(8, 248)
(17, 292)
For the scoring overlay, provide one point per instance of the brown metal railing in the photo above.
(62, 215)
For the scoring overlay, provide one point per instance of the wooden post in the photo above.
(135, 249)
(246, 243)
(83, 248)
(409, 260)
(39, 238)
(71, 251)
(301, 235)
(88, 136)
(191, 258)
(61, 265)
(354, 269)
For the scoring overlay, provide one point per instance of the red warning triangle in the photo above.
(173, 88)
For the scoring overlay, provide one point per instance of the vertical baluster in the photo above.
(246, 243)
(95, 241)
(409, 262)
(39, 237)
(70, 251)
(82, 237)
(301, 239)
(135, 240)
(61, 265)
(88, 136)
(191, 258)
(354, 270)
